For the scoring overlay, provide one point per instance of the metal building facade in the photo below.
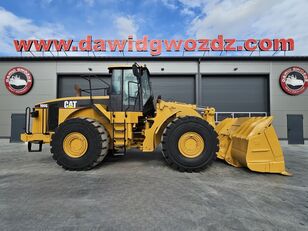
(231, 84)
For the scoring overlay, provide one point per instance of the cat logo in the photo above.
(70, 104)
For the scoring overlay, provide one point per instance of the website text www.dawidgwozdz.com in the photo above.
(154, 46)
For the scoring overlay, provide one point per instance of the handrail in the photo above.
(27, 120)
(90, 89)
(238, 114)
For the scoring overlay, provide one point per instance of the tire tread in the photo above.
(101, 135)
(175, 123)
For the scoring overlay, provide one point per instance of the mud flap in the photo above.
(252, 143)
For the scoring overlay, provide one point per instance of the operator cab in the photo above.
(131, 90)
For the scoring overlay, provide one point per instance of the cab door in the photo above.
(125, 91)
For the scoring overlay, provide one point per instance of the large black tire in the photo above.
(170, 144)
(97, 140)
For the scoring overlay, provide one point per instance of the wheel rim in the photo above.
(191, 144)
(75, 145)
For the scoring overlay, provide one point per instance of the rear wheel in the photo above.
(189, 144)
(79, 144)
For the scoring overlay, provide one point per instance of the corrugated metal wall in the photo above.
(236, 93)
(179, 84)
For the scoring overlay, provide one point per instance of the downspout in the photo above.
(198, 84)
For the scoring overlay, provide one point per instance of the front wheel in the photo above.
(79, 144)
(189, 144)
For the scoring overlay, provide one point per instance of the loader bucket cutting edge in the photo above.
(252, 143)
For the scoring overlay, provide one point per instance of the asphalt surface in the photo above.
(139, 192)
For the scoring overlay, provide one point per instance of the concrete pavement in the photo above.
(139, 192)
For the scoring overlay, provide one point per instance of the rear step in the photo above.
(119, 153)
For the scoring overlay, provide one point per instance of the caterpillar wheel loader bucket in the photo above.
(252, 143)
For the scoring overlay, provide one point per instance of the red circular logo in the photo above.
(18, 80)
(294, 80)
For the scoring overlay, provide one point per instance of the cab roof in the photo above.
(123, 66)
(120, 66)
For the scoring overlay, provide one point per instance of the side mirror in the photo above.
(136, 70)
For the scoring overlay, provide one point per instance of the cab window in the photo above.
(146, 89)
(116, 82)
(130, 86)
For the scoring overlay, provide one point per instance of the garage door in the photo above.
(66, 84)
(174, 87)
(236, 93)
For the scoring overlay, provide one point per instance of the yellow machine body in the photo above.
(243, 142)
(252, 143)
(122, 121)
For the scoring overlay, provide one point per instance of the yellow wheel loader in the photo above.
(82, 130)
